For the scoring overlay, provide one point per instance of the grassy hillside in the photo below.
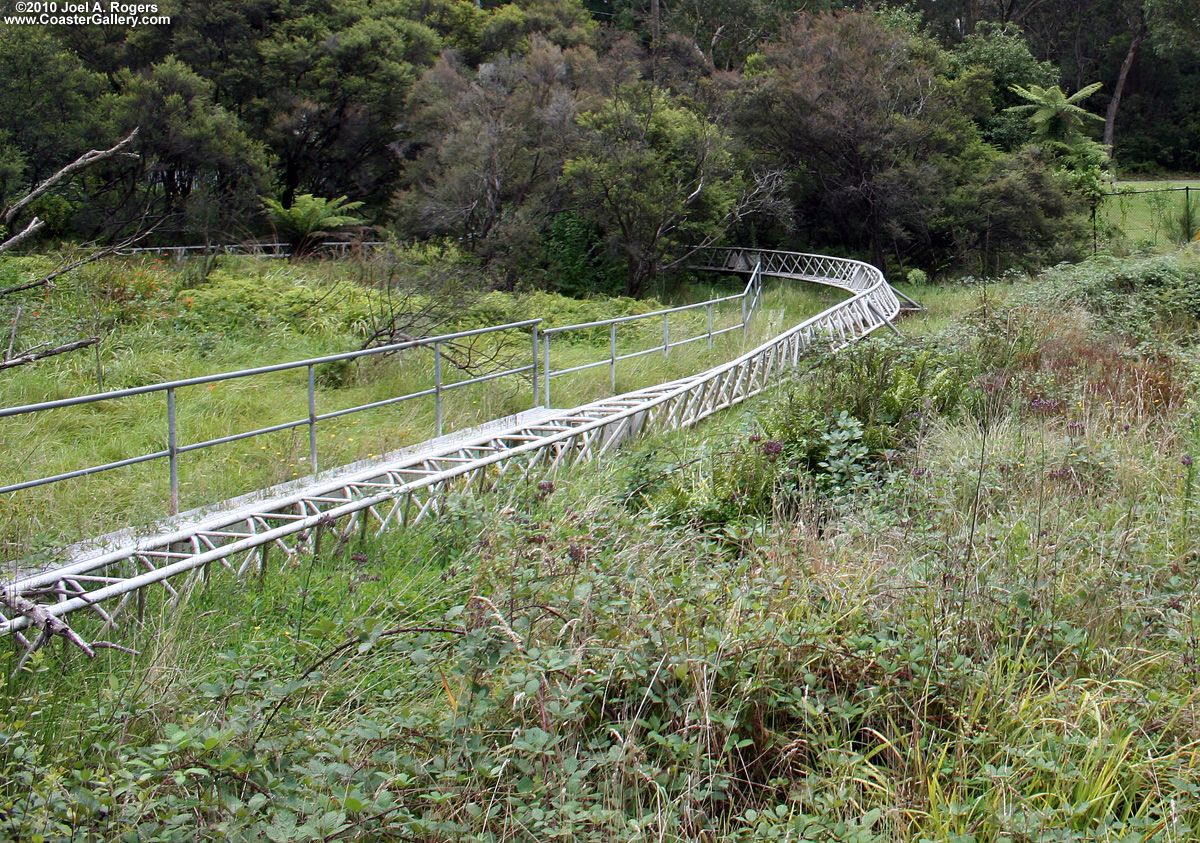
(941, 588)
(161, 321)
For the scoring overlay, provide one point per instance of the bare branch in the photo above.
(764, 196)
(81, 163)
(63, 268)
(43, 620)
(12, 337)
(108, 645)
(29, 357)
(34, 225)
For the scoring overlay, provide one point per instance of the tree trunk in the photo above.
(635, 277)
(878, 255)
(1110, 117)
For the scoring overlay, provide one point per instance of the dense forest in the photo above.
(579, 145)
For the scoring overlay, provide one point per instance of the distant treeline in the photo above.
(567, 144)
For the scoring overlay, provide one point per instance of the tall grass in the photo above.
(980, 626)
(163, 342)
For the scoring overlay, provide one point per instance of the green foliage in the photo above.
(492, 144)
(231, 302)
(310, 218)
(47, 108)
(1142, 297)
(198, 168)
(1020, 213)
(830, 435)
(878, 135)
(1001, 53)
(1057, 121)
(578, 265)
(1053, 115)
(1185, 225)
(655, 176)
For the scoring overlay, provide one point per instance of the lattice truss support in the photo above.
(248, 539)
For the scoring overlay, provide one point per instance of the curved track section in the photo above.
(250, 535)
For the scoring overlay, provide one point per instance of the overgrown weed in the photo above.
(959, 605)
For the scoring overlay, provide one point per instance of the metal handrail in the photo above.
(750, 298)
(408, 488)
(175, 449)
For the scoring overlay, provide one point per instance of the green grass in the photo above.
(1157, 184)
(1152, 215)
(967, 611)
(243, 317)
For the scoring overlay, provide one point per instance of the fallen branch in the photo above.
(48, 279)
(34, 226)
(43, 620)
(29, 357)
(12, 337)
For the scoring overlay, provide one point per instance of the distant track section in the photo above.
(107, 577)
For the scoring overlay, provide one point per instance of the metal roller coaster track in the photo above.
(246, 534)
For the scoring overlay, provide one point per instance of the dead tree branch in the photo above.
(31, 356)
(62, 269)
(43, 620)
(34, 226)
(81, 163)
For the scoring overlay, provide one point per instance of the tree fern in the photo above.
(311, 218)
(1053, 115)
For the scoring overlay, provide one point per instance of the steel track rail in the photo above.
(408, 489)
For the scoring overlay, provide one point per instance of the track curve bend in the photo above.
(107, 576)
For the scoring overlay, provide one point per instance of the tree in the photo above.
(1177, 27)
(1057, 121)
(728, 31)
(1017, 214)
(200, 173)
(310, 218)
(659, 180)
(46, 108)
(344, 75)
(1054, 116)
(489, 147)
(875, 134)
(1001, 54)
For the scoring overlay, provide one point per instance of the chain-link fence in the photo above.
(1146, 218)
